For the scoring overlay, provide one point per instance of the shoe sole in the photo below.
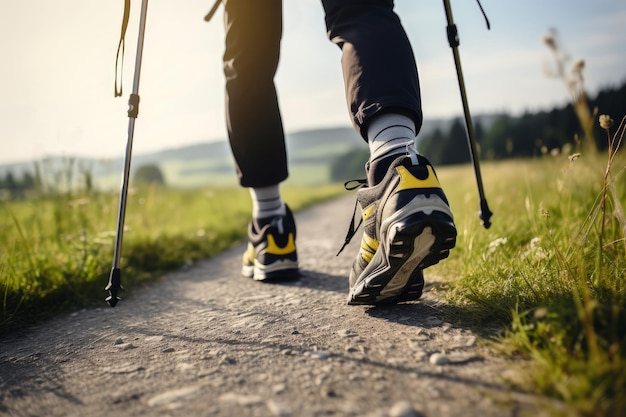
(416, 242)
(282, 270)
(413, 289)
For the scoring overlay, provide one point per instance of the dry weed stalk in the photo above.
(575, 83)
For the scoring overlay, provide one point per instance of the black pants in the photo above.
(379, 72)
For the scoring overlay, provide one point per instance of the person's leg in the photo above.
(255, 131)
(379, 68)
(253, 33)
(380, 75)
(407, 222)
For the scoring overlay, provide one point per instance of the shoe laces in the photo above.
(352, 229)
(358, 183)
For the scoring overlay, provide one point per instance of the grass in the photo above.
(550, 272)
(57, 251)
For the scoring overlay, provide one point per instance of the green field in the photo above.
(57, 251)
(549, 273)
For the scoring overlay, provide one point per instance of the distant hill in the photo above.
(310, 154)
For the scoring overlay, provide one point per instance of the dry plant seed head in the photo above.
(550, 40)
(574, 156)
(578, 67)
(605, 121)
(577, 139)
(577, 73)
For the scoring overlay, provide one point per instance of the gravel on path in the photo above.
(205, 341)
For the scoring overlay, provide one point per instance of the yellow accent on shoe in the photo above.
(248, 255)
(369, 246)
(368, 212)
(274, 249)
(408, 181)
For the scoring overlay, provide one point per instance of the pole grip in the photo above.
(453, 35)
(133, 106)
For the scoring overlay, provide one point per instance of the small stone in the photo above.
(206, 372)
(438, 359)
(243, 400)
(462, 358)
(319, 380)
(470, 341)
(320, 354)
(168, 350)
(414, 342)
(118, 341)
(346, 333)
(126, 346)
(172, 397)
(279, 409)
(228, 361)
(328, 392)
(184, 366)
(279, 388)
(433, 321)
(403, 409)
(420, 355)
(126, 368)
(463, 342)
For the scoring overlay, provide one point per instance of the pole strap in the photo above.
(209, 15)
(484, 14)
(119, 56)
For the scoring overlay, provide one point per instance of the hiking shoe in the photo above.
(271, 252)
(408, 226)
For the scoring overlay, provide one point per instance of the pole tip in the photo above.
(114, 285)
(485, 214)
(112, 300)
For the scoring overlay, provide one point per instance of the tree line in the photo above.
(48, 178)
(528, 135)
(12, 186)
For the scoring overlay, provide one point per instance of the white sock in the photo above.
(266, 202)
(390, 134)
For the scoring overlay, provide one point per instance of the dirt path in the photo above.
(207, 342)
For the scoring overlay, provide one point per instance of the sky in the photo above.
(58, 68)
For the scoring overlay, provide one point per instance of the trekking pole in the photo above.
(453, 40)
(115, 279)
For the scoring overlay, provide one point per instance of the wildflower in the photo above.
(534, 242)
(605, 121)
(79, 202)
(535, 251)
(493, 245)
(104, 238)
